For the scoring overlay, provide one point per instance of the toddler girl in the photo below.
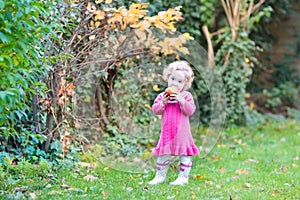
(175, 138)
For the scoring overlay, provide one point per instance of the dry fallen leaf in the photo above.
(32, 195)
(104, 193)
(90, 178)
(105, 168)
(198, 177)
(295, 165)
(193, 195)
(248, 185)
(64, 186)
(283, 168)
(223, 170)
(251, 161)
(208, 182)
(21, 189)
(275, 193)
(171, 197)
(88, 165)
(241, 171)
(235, 177)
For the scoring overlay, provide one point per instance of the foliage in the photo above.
(293, 114)
(286, 93)
(255, 37)
(22, 30)
(236, 52)
(275, 87)
(117, 42)
(261, 33)
(274, 84)
(276, 100)
(25, 25)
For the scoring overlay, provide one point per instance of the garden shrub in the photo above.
(25, 28)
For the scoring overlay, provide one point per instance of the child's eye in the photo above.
(180, 81)
(172, 79)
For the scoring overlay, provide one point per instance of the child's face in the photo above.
(177, 78)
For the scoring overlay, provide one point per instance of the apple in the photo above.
(171, 90)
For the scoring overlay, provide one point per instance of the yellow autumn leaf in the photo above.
(92, 23)
(251, 105)
(97, 24)
(171, 27)
(163, 15)
(108, 1)
(184, 50)
(137, 25)
(188, 36)
(106, 168)
(247, 95)
(113, 26)
(247, 60)
(116, 18)
(156, 88)
(135, 6)
(99, 15)
(122, 11)
(147, 154)
(148, 106)
(98, 1)
(123, 25)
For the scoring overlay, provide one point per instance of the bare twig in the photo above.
(211, 57)
(252, 9)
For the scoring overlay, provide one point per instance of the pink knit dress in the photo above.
(175, 138)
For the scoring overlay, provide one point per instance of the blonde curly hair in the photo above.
(180, 66)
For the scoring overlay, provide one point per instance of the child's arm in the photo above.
(158, 105)
(188, 107)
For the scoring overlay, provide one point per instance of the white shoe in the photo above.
(183, 177)
(161, 173)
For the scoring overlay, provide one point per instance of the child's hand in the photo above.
(165, 98)
(180, 98)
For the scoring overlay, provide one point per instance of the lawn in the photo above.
(259, 162)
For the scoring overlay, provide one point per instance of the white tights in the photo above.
(183, 159)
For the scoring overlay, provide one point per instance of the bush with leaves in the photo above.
(25, 27)
(107, 43)
(236, 52)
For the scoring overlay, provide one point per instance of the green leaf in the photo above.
(8, 60)
(3, 38)
(2, 4)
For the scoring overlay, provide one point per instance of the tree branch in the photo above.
(211, 57)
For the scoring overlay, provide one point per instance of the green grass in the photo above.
(247, 163)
